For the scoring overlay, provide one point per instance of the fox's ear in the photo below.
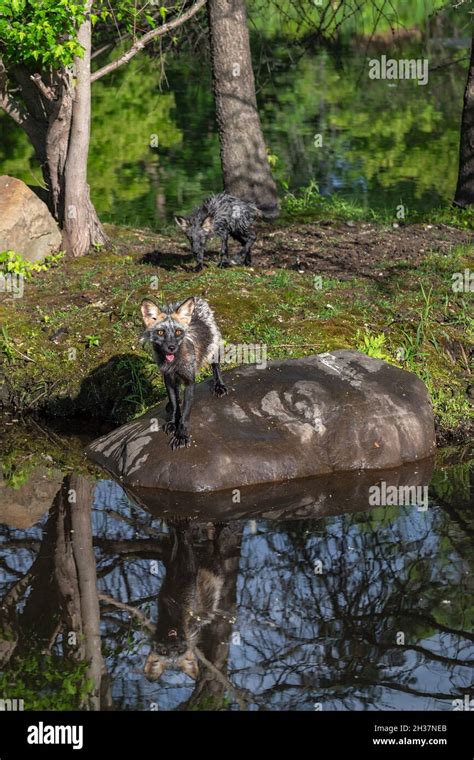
(189, 665)
(151, 313)
(184, 312)
(182, 222)
(207, 224)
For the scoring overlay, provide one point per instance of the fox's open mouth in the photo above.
(169, 357)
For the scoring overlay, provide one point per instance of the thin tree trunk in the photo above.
(81, 226)
(244, 159)
(83, 550)
(465, 188)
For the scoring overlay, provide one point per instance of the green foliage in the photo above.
(15, 473)
(43, 33)
(45, 682)
(308, 202)
(6, 344)
(14, 263)
(92, 341)
(372, 345)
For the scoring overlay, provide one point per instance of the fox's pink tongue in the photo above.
(169, 357)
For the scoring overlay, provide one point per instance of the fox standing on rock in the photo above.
(184, 337)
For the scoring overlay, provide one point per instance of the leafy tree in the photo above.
(45, 87)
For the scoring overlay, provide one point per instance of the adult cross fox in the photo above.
(184, 337)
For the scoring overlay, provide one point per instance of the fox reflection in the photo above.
(188, 600)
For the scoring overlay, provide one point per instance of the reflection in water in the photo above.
(371, 135)
(354, 610)
(188, 600)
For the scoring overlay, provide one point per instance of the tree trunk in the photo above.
(81, 226)
(465, 188)
(83, 549)
(244, 159)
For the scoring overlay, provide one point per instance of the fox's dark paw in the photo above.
(237, 261)
(199, 267)
(169, 427)
(223, 263)
(180, 440)
(219, 390)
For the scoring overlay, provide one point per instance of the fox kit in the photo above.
(184, 337)
(188, 601)
(224, 216)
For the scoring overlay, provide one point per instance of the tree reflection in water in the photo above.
(367, 610)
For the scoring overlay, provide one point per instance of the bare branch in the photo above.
(46, 91)
(241, 697)
(146, 39)
(144, 620)
(13, 109)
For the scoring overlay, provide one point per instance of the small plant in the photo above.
(372, 345)
(14, 263)
(282, 279)
(6, 344)
(272, 158)
(92, 341)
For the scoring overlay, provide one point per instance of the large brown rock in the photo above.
(26, 226)
(295, 419)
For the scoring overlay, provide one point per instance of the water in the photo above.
(155, 150)
(356, 610)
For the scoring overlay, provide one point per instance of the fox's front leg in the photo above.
(172, 407)
(218, 387)
(224, 255)
(181, 437)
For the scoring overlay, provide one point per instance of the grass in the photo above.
(309, 205)
(98, 368)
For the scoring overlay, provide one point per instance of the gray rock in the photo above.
(26, 226)
(294, 419)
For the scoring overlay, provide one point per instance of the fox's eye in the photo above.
(178, 332)
(160, 332)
